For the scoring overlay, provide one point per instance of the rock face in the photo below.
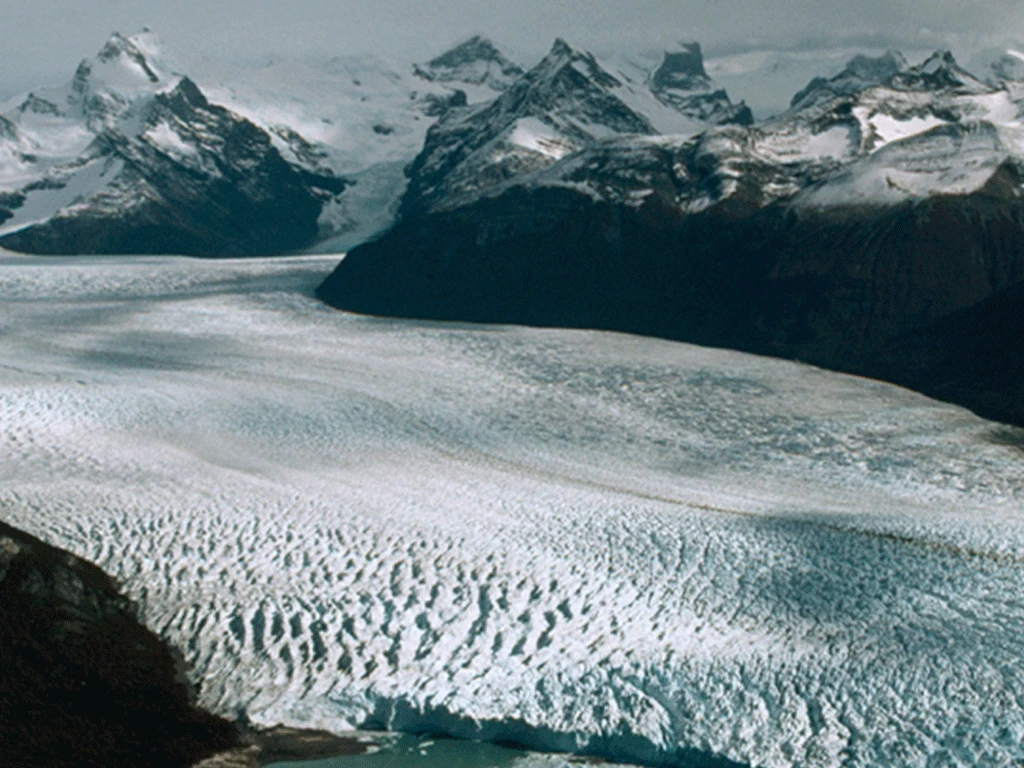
(876, 228)
(83, 683)
(682, 83)
(135, 160)
(362, 116)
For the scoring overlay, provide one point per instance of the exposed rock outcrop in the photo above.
(476, 61)
(568, 102)
(84, 683)
(682, 83)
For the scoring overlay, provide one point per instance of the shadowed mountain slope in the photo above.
(84, 684)
(882, 213)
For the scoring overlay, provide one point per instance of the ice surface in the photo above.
(566, 539)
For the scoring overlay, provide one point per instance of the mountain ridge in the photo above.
(563, 104)
(140, 161)
(885, 204)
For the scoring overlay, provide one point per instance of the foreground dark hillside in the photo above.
(83, 682)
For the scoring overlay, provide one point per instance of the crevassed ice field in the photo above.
(573, 540)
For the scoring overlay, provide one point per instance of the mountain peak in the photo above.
(561, 48)
(861, 72)
(476, 61)
(563, 57)
(682, 83)
(477, 48)
(876, 69)
(189, 93)
(940, 60)
(682, 70)
(1008, 67)
(939, 72)
(118, 46)
(124, 71)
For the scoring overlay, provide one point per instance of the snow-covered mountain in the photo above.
(881, 132)
(476, 61)
(367, 117)
(133, 158)
(683, 83)
(846, 231)
(565, 103)
(347, 127)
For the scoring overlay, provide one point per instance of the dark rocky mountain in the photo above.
(84, 684)
(162, 171)
(682, 82)
(195, 180)
(877, 228)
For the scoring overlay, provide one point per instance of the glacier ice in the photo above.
(572, 540)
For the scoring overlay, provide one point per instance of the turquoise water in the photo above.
(402, 751)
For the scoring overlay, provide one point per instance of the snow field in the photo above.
(574, 540)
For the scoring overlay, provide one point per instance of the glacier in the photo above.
(577, 541)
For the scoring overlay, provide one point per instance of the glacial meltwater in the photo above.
(405, 751)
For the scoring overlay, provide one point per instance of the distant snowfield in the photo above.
(569, 539)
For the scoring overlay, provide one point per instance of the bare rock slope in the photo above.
(84, 683)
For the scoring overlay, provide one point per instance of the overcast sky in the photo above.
(43, 40)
